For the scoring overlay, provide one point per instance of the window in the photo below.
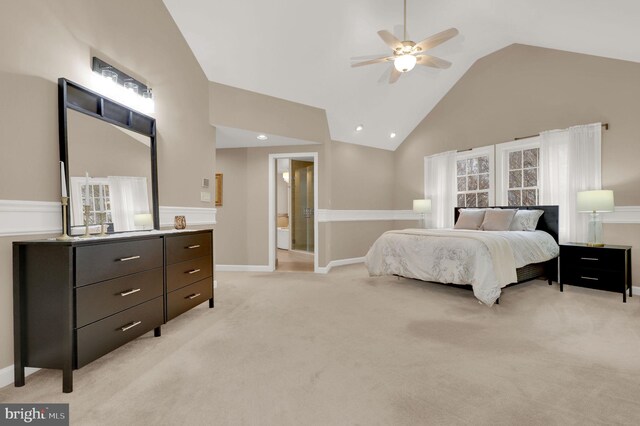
(517, 172)
(474, 177)
(99, 201)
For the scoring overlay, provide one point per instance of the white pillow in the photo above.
(469, 219)
(526, 220)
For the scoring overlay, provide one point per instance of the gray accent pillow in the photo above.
(469, 219)
(526, 220)
(498, 219)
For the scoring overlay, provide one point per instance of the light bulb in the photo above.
(262, 137)
(359, 128)
(404, 63)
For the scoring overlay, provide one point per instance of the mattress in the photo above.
(487, 260)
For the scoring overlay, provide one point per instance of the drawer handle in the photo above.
(126, 293)
(193, 296)
(193, 246)
(193, 272)
(125, 259)
(589, 258)
(589, 278)
(133, 324)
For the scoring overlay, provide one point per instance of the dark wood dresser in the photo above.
(603, 268)
(75, 301)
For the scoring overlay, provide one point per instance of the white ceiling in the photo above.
(229, 137)
(300, 50)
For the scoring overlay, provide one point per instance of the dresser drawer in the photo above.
(182, 300)
(595, 278)
(96, 301)
(100, 338)
(592, 258)
(105, 261)
(185, 273)
(187, 247)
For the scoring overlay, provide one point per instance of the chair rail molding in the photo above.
(326, 215)
(21, 217)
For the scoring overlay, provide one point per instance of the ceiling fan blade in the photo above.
(432, 61)
(395, 75)
(366, 57)
(373, 61)
(436, 39)
(391, 40)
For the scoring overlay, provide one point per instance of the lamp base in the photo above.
(595, 244)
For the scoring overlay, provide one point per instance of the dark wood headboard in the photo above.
(549, 221)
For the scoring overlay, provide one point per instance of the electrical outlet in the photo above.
(205, 196)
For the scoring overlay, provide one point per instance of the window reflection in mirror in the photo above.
(118, 162)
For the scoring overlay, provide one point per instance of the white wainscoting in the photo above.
(193, 215)
(325, 215)
(19, 217)
(622, 214)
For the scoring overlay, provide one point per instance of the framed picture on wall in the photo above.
(218, 189)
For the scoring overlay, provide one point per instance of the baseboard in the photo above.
(243, 268)
(339, 262)
(7, 375)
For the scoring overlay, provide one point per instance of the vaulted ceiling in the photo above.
(300, 50)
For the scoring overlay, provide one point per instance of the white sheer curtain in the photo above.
(570, 161)
(440, 187)
(129, 197)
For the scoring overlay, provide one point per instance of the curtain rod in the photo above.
(605, 126)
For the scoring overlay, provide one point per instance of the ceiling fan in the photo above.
(406, 54)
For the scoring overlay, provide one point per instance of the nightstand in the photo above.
(603, 268)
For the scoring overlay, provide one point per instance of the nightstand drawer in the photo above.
(595, 278)
(592, 258)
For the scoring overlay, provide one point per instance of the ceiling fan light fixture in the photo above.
(405, 63)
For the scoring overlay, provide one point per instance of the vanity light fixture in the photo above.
(392, 135)
(359, 128)
(122, 87)
(262, 137)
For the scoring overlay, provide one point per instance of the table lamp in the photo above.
(422, 207)
(143, 220)
(595, 202)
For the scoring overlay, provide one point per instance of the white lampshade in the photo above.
(404, 63)
(422, 206)
(143, 219)
(595, 201)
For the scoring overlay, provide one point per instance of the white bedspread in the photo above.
(485, 259)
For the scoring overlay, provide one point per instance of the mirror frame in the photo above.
(78, 98)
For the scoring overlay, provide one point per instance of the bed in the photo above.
(484, 261)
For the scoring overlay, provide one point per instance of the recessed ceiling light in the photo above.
(392, 135)
(359, 128)
(262, 137)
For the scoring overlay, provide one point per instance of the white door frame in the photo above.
(273, 224)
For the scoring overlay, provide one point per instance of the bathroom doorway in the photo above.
(293, 192)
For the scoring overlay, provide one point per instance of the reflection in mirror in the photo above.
(110, 171)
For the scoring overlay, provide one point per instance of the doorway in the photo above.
(293, 197)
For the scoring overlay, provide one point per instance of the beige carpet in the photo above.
(346, 349)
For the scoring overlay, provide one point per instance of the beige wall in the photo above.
(522, 90)
(242, 109)
(41, 41)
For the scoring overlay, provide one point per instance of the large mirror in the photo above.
(110, 164)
